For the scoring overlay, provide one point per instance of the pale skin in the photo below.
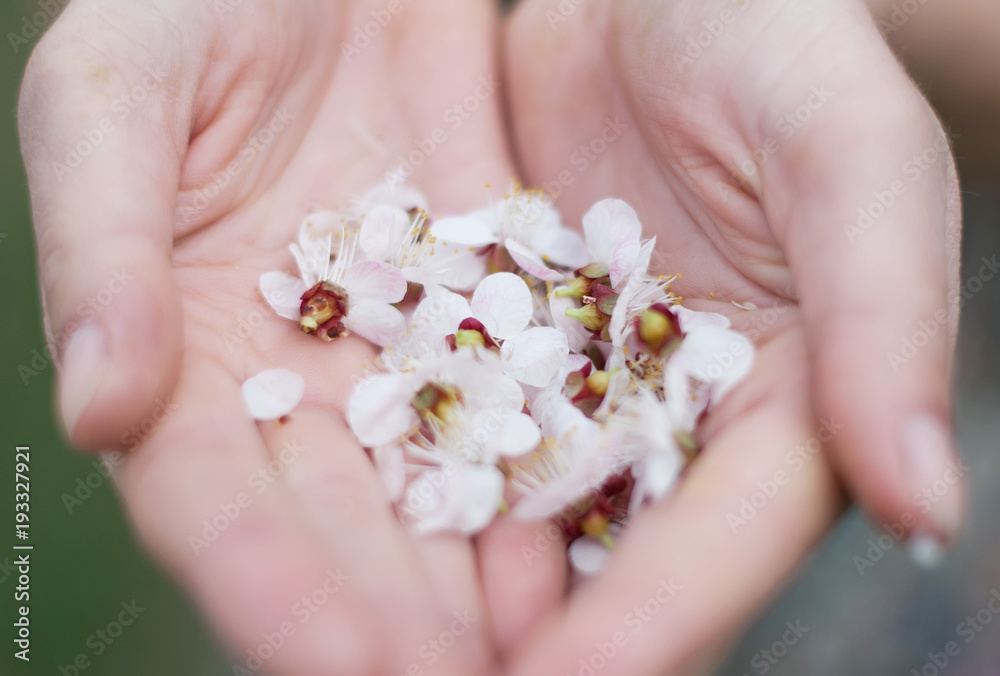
(774, 238)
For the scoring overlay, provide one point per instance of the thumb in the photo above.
(103, 154)
(872, 239)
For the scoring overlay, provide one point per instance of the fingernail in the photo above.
(83, 365)
(934, 479)
(925, 550)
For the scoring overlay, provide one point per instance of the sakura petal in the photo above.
(401, 196)
(374, 281)
(690, 320)
(531, 262)
(562, 246)
(379, 410)
(518, 435)
(282, 292)
(382, 232)
(460, 271)
(273, 393)
(465, 500)
(502, 302)
(377, 322)
(464, 231)
(715, 355)
(438, 314)
(613, 234)
(588, 556)
(535, 356)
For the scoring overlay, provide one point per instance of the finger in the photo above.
(523, 571)
(247, 557)
(103, 172)
(685, 573)
(419, 593)
(872, 241)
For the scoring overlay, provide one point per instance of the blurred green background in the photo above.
(86, 564)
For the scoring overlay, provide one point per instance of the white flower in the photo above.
(462, 498)
(347, 296)
(461, 407)
(576, 458)
(640, 292)
(391, 235)
(528, 226)
(613, 234)
(273, 393)
(504, 306)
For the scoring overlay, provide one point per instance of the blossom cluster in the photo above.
(525, 369)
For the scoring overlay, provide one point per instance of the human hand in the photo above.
(756, 139)
(172, 150)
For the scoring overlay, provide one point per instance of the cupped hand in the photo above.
(785, 162)
(172, 150)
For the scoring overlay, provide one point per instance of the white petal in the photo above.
(438, 315)
(588, 556)
(376, 281)
(464, 231)
(273, 393)
(377, 322)
(283, 292)
(690, 319)
(613, 234)
(518, 435)
(502, 302)
(562, 246)
(461, 497)
(714, 355)
(531, 262)
(383, 231)
(535, 356)
(402, 196)
(460, 271)
(379, 410)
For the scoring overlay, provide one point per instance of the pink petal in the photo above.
(383, 231)
(714, 355)
(531, 262)
(377, 322)
(690, 319)
(613, 234)
(518, 435)
(464, 231)
(535, 356)
(460, 271)
(588, 556)
(374, 281)
(502, 302)
(273, 393)
(562, 246)
(438, 315)
(462, 498)
(379, 410)
(282, 292)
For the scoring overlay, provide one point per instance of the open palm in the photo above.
(747, 136)
(249, 115)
